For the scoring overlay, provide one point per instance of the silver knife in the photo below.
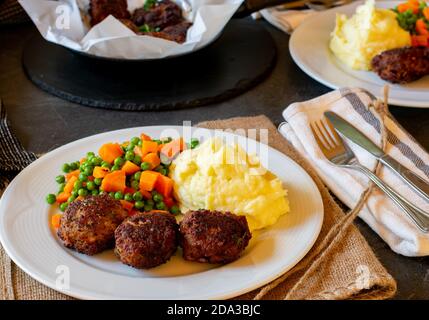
(350, 132)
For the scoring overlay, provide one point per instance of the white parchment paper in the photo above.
(65, 22)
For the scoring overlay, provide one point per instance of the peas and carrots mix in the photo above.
(413, 16)
(134, 172)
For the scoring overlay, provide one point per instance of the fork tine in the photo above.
(319, 137)
(334, 133)
(325, 134)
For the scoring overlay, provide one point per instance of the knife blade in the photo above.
(419, 185)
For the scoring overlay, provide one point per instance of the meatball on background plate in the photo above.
(29, 239)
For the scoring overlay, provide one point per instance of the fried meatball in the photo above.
(402, 65)
(88, 225)
(146, 240)
(101, 9)
(212, 236)
(163, 14)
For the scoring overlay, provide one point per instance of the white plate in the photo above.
(28, 239)
(309, 47)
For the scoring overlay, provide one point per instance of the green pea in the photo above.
(157, 198)
(175, 209)
(137, 175)
(63, 206)
(77, 185)
(135, 140)
(129, 156)
(162, 171)
(137, 196)
(137, 159)
(115, 168)
(61, 187)
(128, 197)
(98, 181)
(157, 141)
(135, 185)
(130, 147)
(139, 204)
(82, 192)
(91, 185)
(161, 206)
(75, 193)
(150, 202)
(95, 161)
(102, 193)
(51, 198)
(74, 165)
(119, 195)
(105, 164)
(71, 199)
(60, 179)
(140, 143)
(119, 162)
(148, 207)
(83, 177)
(66, 168)
(112, 194)
(88, 170)
(145, 166)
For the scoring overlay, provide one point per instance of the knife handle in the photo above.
(419, 185)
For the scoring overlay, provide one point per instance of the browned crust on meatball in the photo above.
(88, 225)
(147, 240)
(402, 65)
(213, 237)
(163, 14)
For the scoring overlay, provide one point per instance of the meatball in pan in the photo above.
(88, 225)
(212, 236)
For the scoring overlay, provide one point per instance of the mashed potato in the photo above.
(370, 31)
(218, 176)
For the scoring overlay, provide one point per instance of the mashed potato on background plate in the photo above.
(367, 33)
(218, 176)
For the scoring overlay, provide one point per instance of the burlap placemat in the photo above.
(346, 267)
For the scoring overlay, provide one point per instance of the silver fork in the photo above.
(336, 151)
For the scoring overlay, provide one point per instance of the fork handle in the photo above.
(420, 217)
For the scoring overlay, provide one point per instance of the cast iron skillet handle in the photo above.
(250, 6)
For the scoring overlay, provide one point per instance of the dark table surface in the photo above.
(43, 122)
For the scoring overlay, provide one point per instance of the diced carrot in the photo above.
(114, 181)
(404, 7)
(100, 172)
(63, 197)
(148, 179)
(133, 212)
(110, 151)
(149, 146)
(169, 202)
(127, 205)
(145, 137)
(172, 148)
(125, 144)
(72, 173)
(68, 188)
(164, 185)
(146, 194)
(426, 13)
(55, 220)
(160, 146)
(153, 159)
(130, 168)
(419, 41)
(421, 27)
(129, 190)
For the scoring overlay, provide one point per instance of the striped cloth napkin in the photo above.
(13, 157)
(381, 214)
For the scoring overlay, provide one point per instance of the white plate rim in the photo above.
(375, 89)
(85, 295)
